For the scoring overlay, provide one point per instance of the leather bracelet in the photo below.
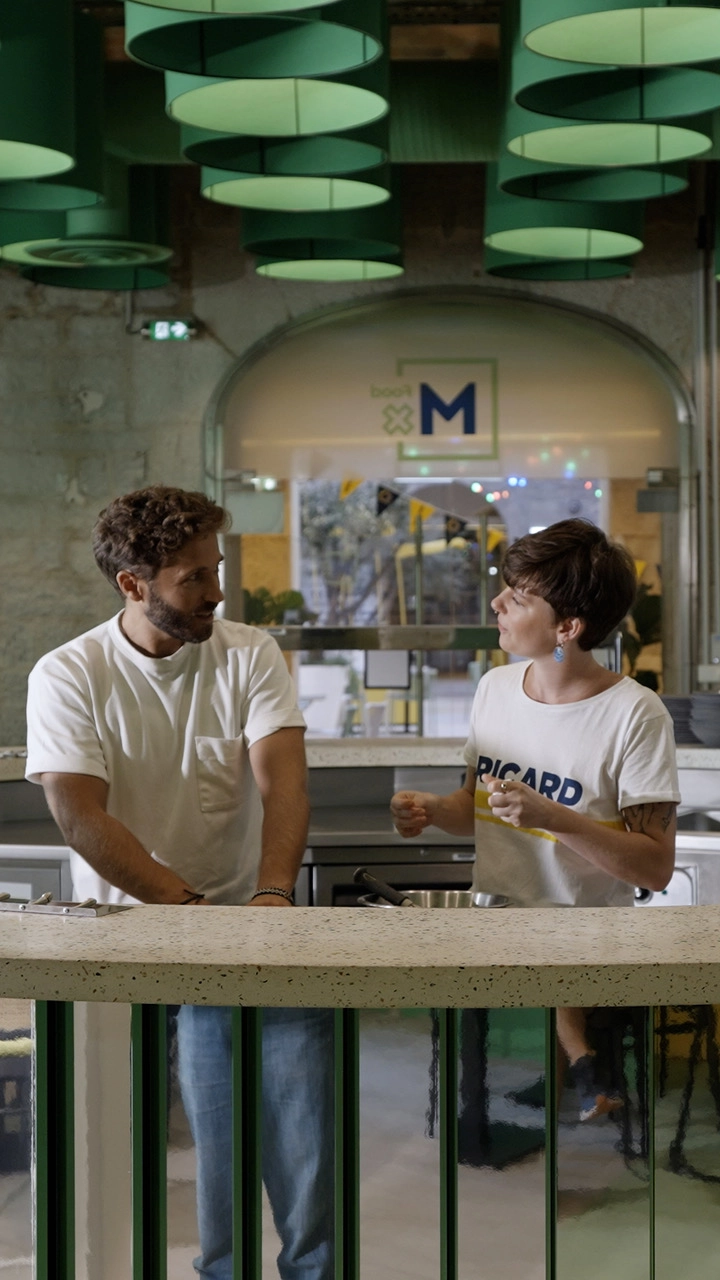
(192, 899)
(274, 889)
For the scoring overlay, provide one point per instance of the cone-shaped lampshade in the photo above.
(81, 185)
(558, 228)
(36, 88)
(513, 266)
(360, 245)
(562, 182)
(129, 230)
(255, 47)
(287, 107)
(108, 278)
(622, 33)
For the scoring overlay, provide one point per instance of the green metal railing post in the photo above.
(551, 1143)
(54, 1142)
(447, 1105)
(650, 1101)
(149, 1141)
(247, 1143)
(347, 1144)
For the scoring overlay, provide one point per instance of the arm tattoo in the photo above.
(640, 817)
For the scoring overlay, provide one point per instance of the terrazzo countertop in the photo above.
(339, 957)
(339, 753)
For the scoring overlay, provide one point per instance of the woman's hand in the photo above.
(412, 812)
(519, 805)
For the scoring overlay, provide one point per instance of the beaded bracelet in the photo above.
(273, 889)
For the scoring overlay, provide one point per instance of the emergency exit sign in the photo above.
(169, 330)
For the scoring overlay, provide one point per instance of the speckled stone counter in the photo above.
(340, 753)
(365, 958)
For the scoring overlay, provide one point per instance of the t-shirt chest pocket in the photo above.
(219, 766)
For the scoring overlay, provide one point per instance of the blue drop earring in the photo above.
(559, 653)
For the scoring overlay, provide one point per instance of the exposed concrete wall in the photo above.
(90, 410)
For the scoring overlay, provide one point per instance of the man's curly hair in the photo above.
(146, 530)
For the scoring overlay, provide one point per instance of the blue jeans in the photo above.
(297, 1134)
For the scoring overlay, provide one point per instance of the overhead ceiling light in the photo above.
(559, 229)
(587, 92)
(322, 154)
(111, 279)
(300, 192)
(608, 144)
(360, 245)
(513, 266)
(537, 181)
(82, 185)
(36, 89)
(308, 173)
(240, 6)
(591, 142)
(321, 266)
(279, 107)
(255, 47)
(621, 33)
(129, 230)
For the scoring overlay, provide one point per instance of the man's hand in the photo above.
(269, 900)
(413, 811)
(519, 805)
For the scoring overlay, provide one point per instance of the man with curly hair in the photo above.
(171, 751)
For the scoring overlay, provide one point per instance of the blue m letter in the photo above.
(463, 403)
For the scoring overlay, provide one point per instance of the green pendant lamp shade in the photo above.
(559, 229)
(297, 192)
(536, 181)
(593, 93)
(321, 154)
(36, 89)
(585, 142)
(241, 6)
(128, 230)
(287, 107)
(20, 230)
(254, 48)
(308, 173)
(81, 185)
(364, 244)
(330, 269)
(621, 33)
(108, 278)
(512, 266)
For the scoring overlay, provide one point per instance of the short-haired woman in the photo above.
(571, 787)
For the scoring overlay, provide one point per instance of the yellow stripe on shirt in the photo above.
(483, 813)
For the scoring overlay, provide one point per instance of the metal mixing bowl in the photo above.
(439, 898)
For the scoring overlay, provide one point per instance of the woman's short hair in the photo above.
(146, 530)
(579, 571)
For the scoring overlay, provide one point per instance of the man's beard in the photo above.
(187, 627)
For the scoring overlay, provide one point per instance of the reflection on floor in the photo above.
(603, 1227)
(603, 1201)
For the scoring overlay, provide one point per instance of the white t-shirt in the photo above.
(170, 737)
(599, 755)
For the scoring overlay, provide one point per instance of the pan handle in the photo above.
(386, 891)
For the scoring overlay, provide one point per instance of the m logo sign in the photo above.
(440, 407)
(431, 403)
